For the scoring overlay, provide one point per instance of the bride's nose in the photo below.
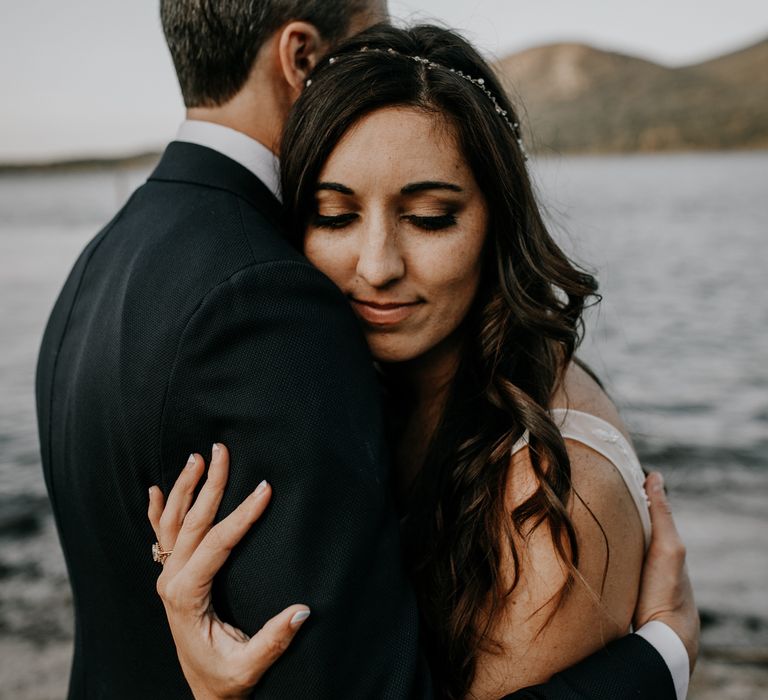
(379, 261)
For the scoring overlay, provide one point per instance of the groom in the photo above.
(190, 320)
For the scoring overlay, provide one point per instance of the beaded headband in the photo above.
(477, 82)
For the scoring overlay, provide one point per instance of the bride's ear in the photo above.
(300, 47)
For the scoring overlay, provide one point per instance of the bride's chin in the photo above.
(391, 350)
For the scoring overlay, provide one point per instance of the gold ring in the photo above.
(159, 554)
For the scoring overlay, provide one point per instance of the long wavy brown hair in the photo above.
(522, 330)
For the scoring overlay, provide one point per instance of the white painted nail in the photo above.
(261, 488)
(299, 617)
(191, 459)
(215, 449)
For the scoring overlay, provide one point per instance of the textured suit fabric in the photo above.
(627, 668)
(190, 320)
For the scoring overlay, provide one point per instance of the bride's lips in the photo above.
(379, 313)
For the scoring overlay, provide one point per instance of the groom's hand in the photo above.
(666, 594)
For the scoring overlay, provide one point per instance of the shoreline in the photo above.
(148, 159)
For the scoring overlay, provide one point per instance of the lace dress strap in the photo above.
(606, 440)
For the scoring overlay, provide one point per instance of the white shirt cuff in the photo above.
(665, 640)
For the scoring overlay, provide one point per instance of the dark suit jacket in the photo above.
(190, 320)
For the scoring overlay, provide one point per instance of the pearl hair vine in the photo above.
(477, 82)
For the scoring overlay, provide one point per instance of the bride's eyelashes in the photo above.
(427, 223)
(337, 221)
(432, 223)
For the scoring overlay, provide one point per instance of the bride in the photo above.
(524, 519)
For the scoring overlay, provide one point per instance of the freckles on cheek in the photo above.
(329, 256)
(458, 266)
(456, 276)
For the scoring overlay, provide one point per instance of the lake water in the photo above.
(680, 245)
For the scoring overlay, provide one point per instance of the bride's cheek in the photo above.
(459, 279)
(327, 254)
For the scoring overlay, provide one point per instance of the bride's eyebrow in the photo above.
(414, 187)
(334, 187)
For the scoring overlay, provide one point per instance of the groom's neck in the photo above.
(258, 110)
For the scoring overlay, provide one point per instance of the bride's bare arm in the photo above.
(538, 636)
(218, 660)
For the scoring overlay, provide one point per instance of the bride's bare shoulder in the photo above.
(580, 390)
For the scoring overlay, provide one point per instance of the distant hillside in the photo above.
(576, 98)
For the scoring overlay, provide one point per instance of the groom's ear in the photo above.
(300, 47)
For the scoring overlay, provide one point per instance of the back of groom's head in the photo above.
(214, 43)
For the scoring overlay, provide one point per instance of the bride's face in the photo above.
(400, 227)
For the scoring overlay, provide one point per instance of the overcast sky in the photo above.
(84, 77)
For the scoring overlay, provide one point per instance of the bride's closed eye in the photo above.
(432, 223)
(427, 223)
(335, 221)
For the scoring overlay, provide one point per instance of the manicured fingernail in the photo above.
(299, 617)
(215, 449)
(150, 491)
(261, 488)
(658, 484)
(191, 459)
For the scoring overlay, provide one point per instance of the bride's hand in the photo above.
(218, 660)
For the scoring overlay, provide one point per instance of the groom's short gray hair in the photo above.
(214, 43)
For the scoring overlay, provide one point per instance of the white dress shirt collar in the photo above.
(251, 154)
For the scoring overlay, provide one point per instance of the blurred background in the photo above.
(648, 125)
